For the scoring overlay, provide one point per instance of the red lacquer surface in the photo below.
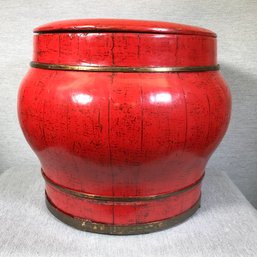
(124, 134)
(116, 25)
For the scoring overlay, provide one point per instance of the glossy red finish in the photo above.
(123, 134)
(124, 49)
(121, 25)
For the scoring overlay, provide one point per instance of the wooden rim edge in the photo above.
(103, 228)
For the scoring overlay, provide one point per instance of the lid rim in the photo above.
(122, 31)
(121, 26)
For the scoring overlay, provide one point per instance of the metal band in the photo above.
(89, 196)
(103, 228)
(49, 66)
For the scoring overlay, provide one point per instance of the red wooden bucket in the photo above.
(123, 116)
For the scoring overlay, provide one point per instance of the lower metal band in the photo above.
(89, 196)
(50, 66)
(103, 228)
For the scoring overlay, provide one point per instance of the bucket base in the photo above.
(103, 228)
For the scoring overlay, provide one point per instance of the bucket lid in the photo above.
(121, 25)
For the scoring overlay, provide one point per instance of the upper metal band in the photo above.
(119, 198)
(49, 66)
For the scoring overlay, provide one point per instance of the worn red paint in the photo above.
(123, 134)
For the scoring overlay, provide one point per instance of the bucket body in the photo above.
(123, 117)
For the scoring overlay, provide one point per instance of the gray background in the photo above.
(235, 23)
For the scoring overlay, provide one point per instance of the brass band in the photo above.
(89, 196)
(49, 66)
(103, 228)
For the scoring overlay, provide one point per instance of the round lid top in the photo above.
(121, 25)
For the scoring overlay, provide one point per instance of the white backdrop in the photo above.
(235, 23)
